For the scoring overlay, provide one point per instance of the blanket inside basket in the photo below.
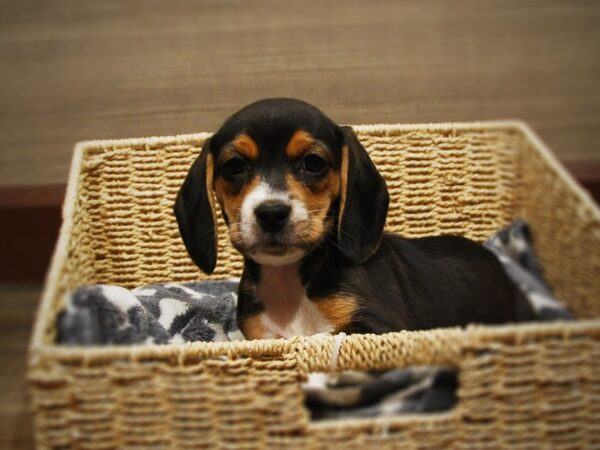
(153, 314)
(206, 311)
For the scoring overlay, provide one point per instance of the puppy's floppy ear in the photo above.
(196, 214)
(364, 202)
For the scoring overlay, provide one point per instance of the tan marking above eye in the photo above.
(246, 146)
(299, 142)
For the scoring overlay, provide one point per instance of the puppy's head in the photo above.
(285, 177)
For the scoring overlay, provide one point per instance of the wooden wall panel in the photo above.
(82, 69)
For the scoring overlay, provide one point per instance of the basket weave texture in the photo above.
(528, 386)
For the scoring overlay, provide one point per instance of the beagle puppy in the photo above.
(306, 207)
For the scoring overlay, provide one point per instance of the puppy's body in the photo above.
(306, 207)
(408, 284)
(442, 281)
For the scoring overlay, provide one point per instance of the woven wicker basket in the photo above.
(528, 386)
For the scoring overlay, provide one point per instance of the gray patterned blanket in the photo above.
(205, 311)
(154, 314)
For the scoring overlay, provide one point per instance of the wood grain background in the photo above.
(76, 69)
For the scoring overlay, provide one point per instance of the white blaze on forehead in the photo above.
(263, 192)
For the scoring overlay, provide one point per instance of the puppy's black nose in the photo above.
(272, 216)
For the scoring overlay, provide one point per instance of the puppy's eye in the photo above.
(314, 164)
(233, 167)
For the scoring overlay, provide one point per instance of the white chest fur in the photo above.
(287, 310)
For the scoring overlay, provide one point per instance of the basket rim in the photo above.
(455, 341)
(39, 350)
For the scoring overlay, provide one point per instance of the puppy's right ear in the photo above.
(196, 214)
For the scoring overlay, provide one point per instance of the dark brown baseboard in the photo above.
(30, 218)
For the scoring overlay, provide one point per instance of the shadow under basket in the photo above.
(520, 386)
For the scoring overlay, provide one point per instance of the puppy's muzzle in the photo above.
(272, 216)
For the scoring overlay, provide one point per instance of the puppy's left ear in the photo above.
(364, 201)
(196, 214)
